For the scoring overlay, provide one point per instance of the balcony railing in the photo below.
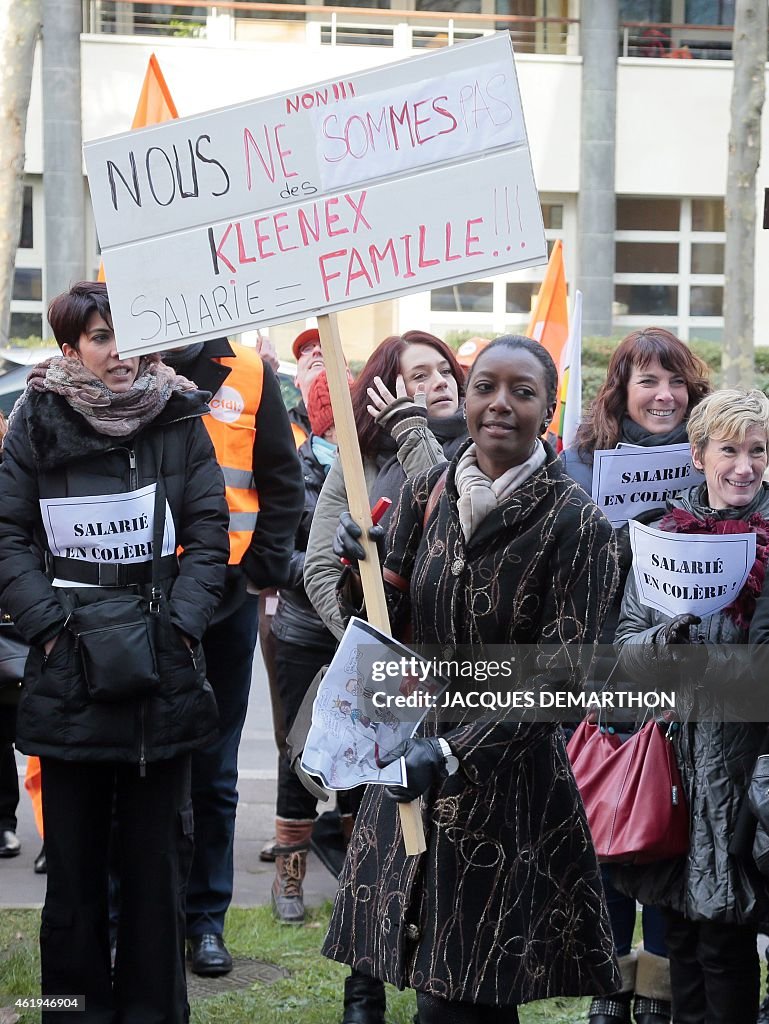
(321, 25)
(666, 40)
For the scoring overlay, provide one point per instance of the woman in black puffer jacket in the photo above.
(115, 696)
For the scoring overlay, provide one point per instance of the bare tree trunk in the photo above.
(19, 29)
(749, 54)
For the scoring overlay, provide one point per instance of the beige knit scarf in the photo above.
(117, 414)
(479, 494)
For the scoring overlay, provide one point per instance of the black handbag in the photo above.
(115, 637)
(13, 658)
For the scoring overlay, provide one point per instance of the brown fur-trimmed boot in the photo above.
(652, 989)
(292, 844)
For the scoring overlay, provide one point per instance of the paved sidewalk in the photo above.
(21, 887)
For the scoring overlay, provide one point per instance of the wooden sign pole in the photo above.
(358, 503)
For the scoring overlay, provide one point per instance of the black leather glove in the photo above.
(677, 630)
(345, 543)
(425, 765)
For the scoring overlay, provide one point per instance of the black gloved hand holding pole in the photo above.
(345, 543)
(425, 765)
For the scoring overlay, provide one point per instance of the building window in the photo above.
(646, 299)
(706, 300)
(646, 258)
(26, 238)
(552, 216)
(26, 325)
(669, 266)
(519, 296)
(707, 258)
(470, 297)
(709, 12)
(648, 214)
(644, 10)
(28, 284)
(707, 215)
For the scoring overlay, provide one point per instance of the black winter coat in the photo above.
(506, 905)
(51, 451)
(296, 620)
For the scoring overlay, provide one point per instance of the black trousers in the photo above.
(714, 971)
(153, 856)
(296, 668)
(229, 646)
(431, 1010)
(9, 786)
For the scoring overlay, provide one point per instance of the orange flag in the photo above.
(549, 322)
(155, 103)
(154, 107)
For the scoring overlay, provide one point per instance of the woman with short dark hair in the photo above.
(107, 472)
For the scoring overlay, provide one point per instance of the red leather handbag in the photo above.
(632, 793)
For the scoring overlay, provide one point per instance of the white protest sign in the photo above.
(106, 527)
(627, 481)
(353, 722)
(391, 181)
(677, 573)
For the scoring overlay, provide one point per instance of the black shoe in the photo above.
(208, 955)
(40, 864)
(610, 1009)
(9, 843)
(364, 999)
(652, 1011)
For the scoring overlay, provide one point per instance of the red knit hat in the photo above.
(319, 405)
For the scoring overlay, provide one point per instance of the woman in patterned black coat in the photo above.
(506, 905)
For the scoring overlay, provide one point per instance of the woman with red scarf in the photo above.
(714, 898)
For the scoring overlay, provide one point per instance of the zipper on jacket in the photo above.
(142, 748)
(133, 476)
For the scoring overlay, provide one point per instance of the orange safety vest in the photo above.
(232, 428)
(300, 435)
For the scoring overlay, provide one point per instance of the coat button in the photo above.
(457, 566)
(412, 933)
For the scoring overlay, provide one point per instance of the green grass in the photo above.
(311, 995)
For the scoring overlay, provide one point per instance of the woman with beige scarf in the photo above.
(506, 906)
(107, 473)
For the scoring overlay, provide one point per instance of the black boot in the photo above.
(614, 1009)
(647, 1010)
(364, 999)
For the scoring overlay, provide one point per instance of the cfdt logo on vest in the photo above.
(227, 404)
